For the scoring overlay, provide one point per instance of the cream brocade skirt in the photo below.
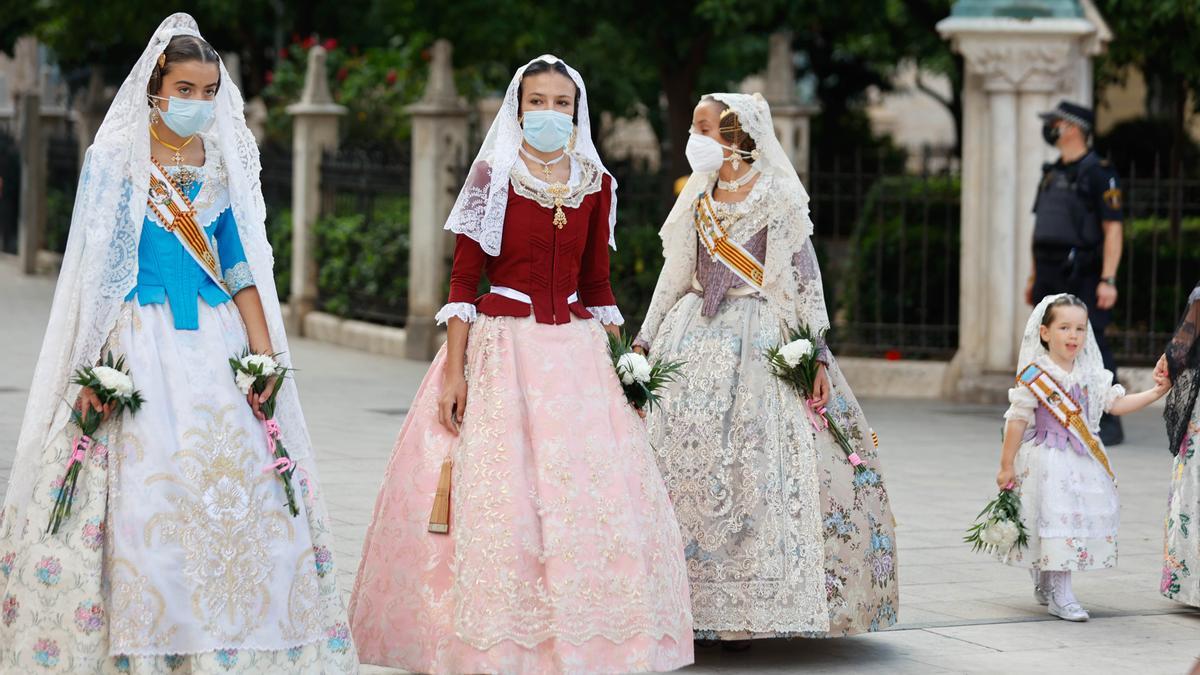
(782, 537)
(180, 555)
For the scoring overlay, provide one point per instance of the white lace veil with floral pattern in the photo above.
(1089, 359)
(99, 267)
(479, 210)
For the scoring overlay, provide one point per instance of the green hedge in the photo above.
(363, 262)
(1152, 297)
(900, 269)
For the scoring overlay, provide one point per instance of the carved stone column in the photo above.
(1015, 68)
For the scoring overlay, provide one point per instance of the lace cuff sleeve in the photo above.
(238, 277)
(463, 310)
(608, 315)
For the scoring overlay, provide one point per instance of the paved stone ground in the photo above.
(960, 612)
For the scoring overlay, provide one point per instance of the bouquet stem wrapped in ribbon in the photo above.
(795, 362)
(641, 379)
(257, 372)
(112, 385)
(998, 527)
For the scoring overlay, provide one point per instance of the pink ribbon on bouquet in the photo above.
(816, 417)
(79, 448)
(284, 464)
(854, 459)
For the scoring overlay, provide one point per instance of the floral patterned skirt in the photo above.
(1181, 550)
(1070, 509)
(563, 555)
(782, 537)
(179, 555)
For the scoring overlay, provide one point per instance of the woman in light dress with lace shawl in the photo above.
(782, 537)
(562, 553)
(179, 554)
(1181, 548)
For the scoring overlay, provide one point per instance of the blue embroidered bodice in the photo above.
(167, 272)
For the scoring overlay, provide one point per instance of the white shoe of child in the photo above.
(1072, 611)
(1062, 600)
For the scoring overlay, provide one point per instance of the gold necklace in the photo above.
(185, 176)
(178, 149)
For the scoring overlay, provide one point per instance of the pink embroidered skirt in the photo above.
(563, 555)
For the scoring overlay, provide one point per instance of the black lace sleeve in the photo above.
(1183, 360)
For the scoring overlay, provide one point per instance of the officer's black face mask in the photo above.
(1050, 133)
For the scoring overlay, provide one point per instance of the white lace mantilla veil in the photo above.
(100, 267)
(479, 210)
(1089, 359)
(785, 236)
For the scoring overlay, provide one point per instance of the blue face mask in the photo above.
(186, 116)
(547, 130)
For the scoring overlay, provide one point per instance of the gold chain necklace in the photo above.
(185, 176)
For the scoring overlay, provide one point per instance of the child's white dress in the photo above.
(1069, 504)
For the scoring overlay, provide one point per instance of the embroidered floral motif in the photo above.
(137, 610)
(174, 661)
(228, 658)
(339, 638)
(8, 610)
(222, 495)
(89, 616)
(48, 571)
(45, 653)
(121, 663)
(93, 533)
(323, 559)
(6, 563)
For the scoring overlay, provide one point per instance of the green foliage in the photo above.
(59, 204)
(375, 85)
(279, 234)
(364, 263)
(1156, 291)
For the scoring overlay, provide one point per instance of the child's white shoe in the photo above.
(1073, 611)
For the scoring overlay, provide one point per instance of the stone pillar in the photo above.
(1016, 67)
(790, 114)
(314, 131)
(439, 138)
(31, 218)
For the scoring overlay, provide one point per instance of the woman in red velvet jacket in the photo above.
(560, 551)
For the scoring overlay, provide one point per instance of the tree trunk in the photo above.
(679, 85)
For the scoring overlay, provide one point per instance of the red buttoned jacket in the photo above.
(537, 258)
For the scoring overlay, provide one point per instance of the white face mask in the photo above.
(704, 153)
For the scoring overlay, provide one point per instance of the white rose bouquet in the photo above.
(640, 378)
(256, 372)
(796, 363)
(112, 385)
(998, 526)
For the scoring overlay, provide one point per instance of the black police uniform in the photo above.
(1073, 202)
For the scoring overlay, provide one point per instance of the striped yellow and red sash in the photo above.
(714, 237)
(1065, 410)
(176, 213)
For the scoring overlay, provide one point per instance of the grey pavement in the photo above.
(960, 612)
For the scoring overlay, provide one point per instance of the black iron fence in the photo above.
(363, 234)
(886, 229)
(1160, 264)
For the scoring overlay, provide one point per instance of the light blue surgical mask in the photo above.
(547, 130)
(186, 116)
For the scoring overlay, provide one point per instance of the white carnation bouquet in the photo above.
(796, 363)
(641, 378)
(112, 385)
(998, 528)
(254, 373)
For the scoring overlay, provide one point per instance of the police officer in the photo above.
(1077, 232)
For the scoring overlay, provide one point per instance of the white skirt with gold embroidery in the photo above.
(180, 551)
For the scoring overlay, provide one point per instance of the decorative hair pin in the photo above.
(162, 60)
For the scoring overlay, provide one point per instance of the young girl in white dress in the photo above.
(1066, 485)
